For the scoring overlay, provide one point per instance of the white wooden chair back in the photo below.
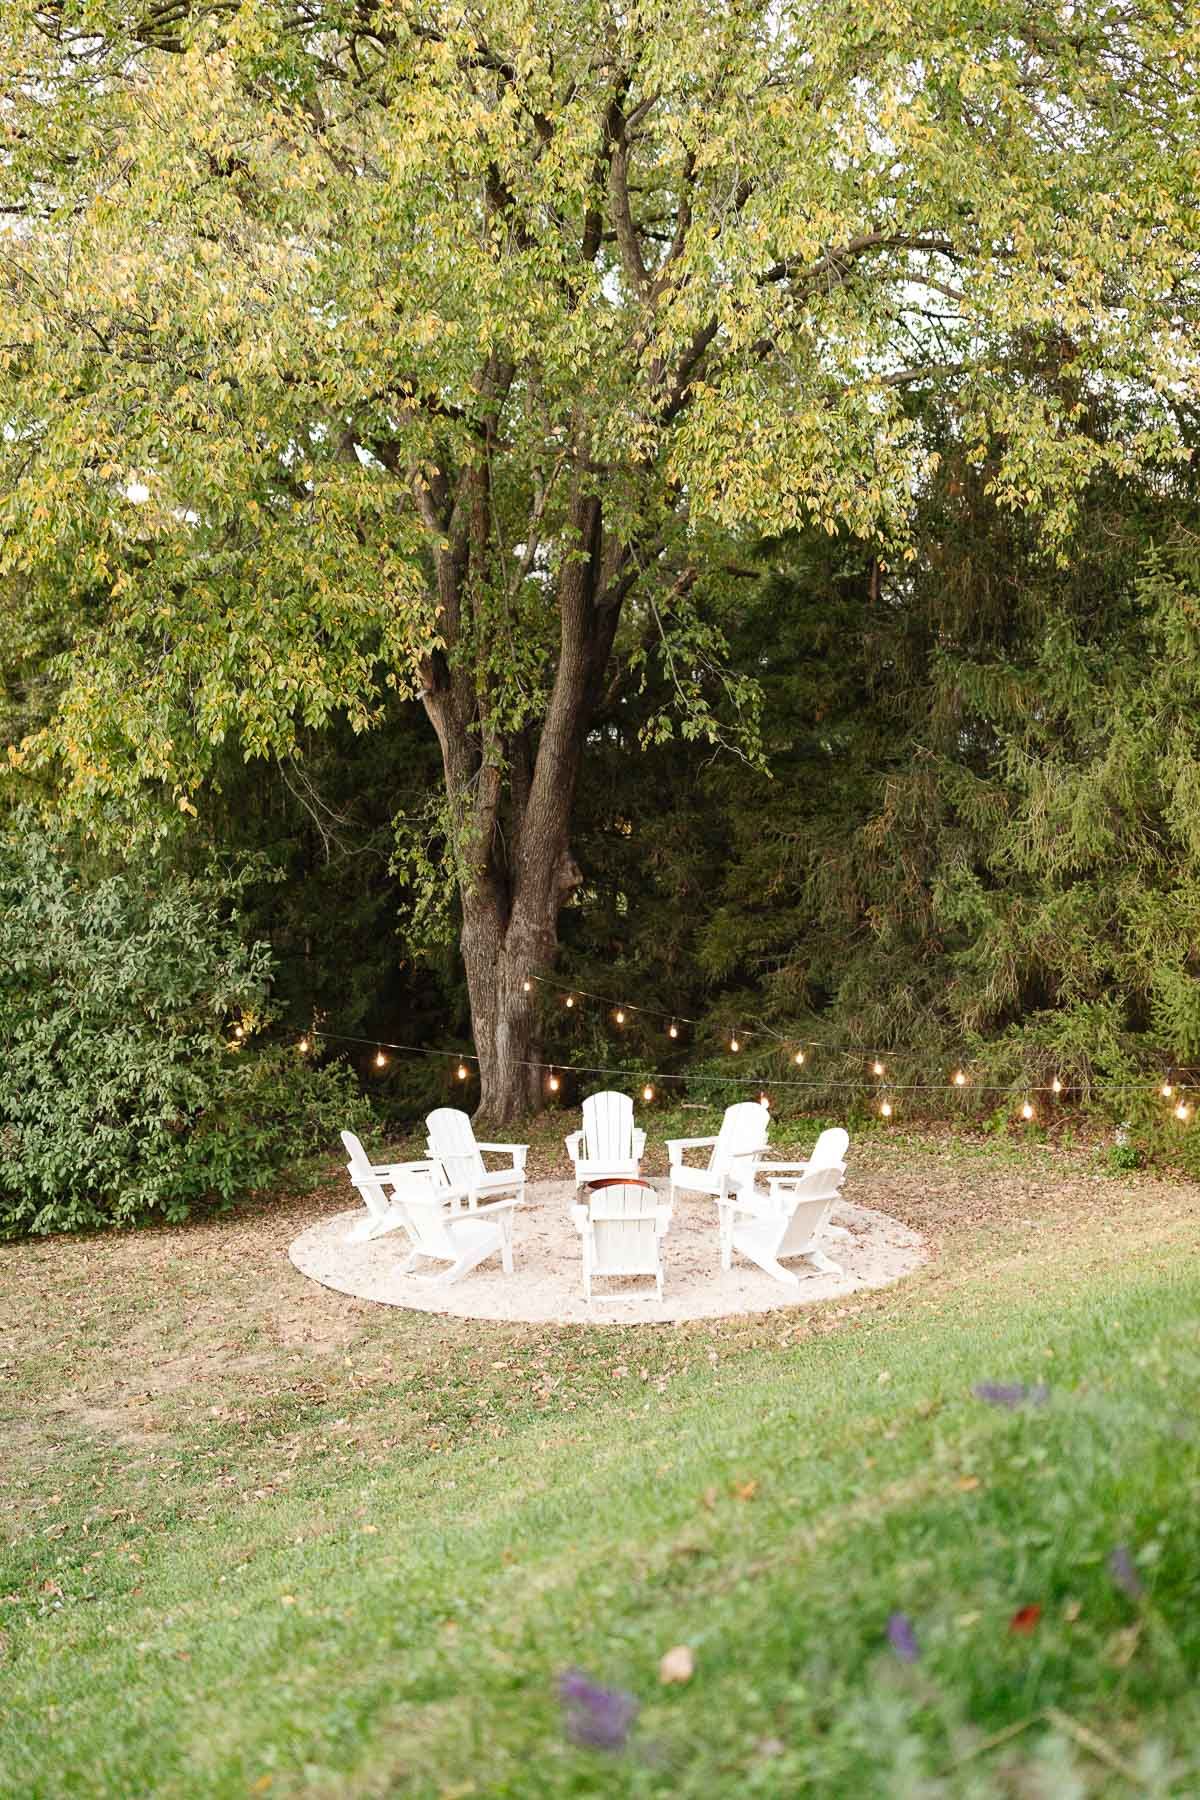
(743, 1131)
(807, 1206)
(361, 1173)
(625, 1227)
(830, 1148)
(607, 1128)
(420, 1200)
(452, 1141)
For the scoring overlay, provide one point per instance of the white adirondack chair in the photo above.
(732, 1153)
(622, 1226)
(609, 1143)
(829, 1151)
(452, 1142)
(373, 1181)
(421, 1205)
(787, 1222)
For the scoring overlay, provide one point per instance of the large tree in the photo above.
(449, 346)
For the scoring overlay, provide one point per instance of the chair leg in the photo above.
(506, 1243)
(776, 1269)
(824, 1263)
(838, 1231)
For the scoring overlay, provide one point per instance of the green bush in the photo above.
(123, 1093)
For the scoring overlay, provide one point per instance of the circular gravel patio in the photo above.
(546, 1285)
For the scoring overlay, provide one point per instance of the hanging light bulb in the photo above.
(733, 1043)
(765, 1100)
(647, 1092)
(570, 999)
(620, 1015)
(798, 1059)
(960, 1079)
(1166, 1090)
(877, 1068)
(527, 986)
(1183, 1112)
(462, 1071)
(673, 1031)
(380, 1060)
(239, 1031)
(1027, 1110)
(1056, 1086)
(552, 1082)
(303, 1046)
(885, 1109)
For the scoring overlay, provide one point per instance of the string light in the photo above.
(303, 1046)
(1056, 1086)
(647, 1092)
(734, 1045)
(765, 1100)
(1027, 1110)
(462, 1071)
(960, 1079)
(885, 1109)
(527, 986)
(380, 1060)
(552, 1082)
(877, 1068)
(798, 1059)
(239, 1031)
(620, 1015)
(674, 1030)
(1166, 1090)
(1183, 1112)
(570, 1000)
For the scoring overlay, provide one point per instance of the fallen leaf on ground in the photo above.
(1123, 1644)
(678, 1665)
(745, 1490)
(1025, 1618)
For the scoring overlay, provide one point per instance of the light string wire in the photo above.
(884, 1087)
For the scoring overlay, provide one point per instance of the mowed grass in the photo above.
(360, 1568)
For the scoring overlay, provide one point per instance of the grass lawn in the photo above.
(258, 1538)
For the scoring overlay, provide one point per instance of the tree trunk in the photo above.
(504, 1017)
(516, 870)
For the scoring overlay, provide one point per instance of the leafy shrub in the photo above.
(120, 1094)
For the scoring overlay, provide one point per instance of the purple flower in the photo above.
(1011, 1393)
(599, 1717)
(1120, 1567)
(902, 1637)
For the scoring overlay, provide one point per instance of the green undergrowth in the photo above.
(374, 1591)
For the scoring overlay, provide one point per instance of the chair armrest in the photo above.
(677, 1146)
(579, 1215)
(517, 1152)
(783, 1168)
(574, 1145)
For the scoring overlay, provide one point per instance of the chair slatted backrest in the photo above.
(608, 1128)
(374, 1195)
(426, 1216)
(808, 1203)
(830, 1148)
(624, 1221)
(452, 1141)
(743, 1131)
